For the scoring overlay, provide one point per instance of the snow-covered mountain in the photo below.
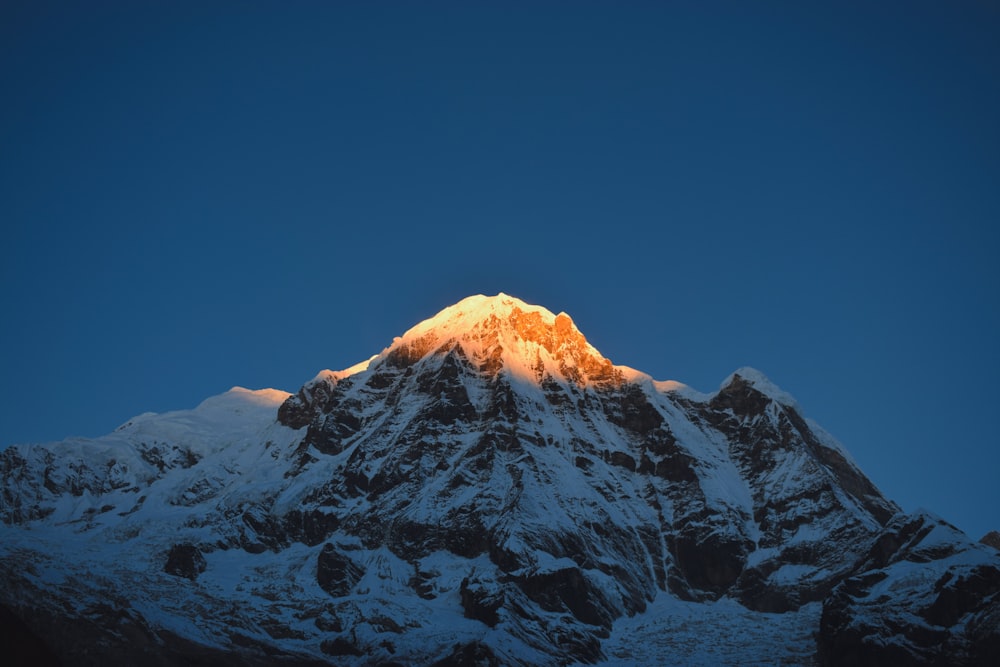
(488, 490)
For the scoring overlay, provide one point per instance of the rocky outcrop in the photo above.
(473, 654)
(335, 572)
(923, 595)
(800, 480)
(185, 560)
(991, 539)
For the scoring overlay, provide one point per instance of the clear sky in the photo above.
(200, 195)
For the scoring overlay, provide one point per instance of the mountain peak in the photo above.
(473, 310)
(503, 333)
(458, 499)
(760, 382)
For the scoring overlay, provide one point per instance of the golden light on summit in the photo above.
(504, 334)
(528, 342)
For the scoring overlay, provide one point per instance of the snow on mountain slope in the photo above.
(489, 489)
(923, 594)
(674, 632)
(76, 473)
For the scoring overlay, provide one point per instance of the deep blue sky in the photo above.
(198, 197)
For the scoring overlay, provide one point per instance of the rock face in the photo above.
(336, 573)
(487, 490)
(923, 594)
(185, 560)
(991, 538)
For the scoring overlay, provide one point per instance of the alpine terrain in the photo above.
(488, 490)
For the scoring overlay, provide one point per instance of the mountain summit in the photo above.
(505, 334)
(487, 490)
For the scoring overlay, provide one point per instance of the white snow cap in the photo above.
(527, 341)
(530, 340)
(472, 310)
(239, 397)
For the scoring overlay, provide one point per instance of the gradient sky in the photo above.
(201, 195)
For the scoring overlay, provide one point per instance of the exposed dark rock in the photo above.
(983, 634)
(165, 456)
(578, 645)
(950, 619)
(405, 355)
(340, 646)
(663, 458)
(310, 527)
(958, 594)
(336, 573)
(473, 654)
(991, 539)
(904, 534)
(461, 531)
(481, 601)
(569, 589)
(328, 432)
(452, 402)
(185, 560)
(299, 409)
(849, 478)
(622, 460)
(262, 531)
(709, 561)
(502, 406)
(740, 397)
(632, 410)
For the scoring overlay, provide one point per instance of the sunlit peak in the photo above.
(505, 333)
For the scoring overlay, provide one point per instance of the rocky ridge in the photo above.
(487, 490)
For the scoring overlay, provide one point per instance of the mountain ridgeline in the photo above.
(489, 490)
